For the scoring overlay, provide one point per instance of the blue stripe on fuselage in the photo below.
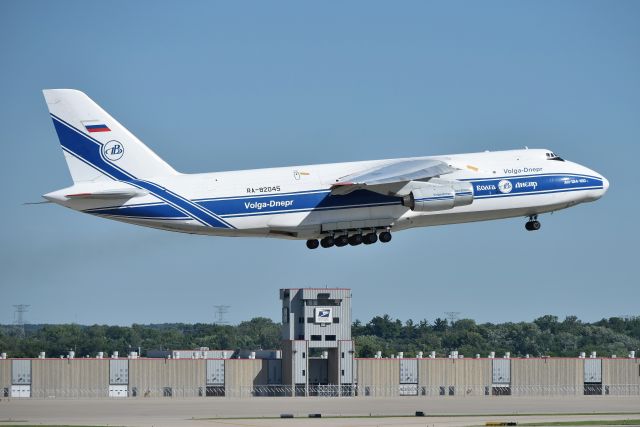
(532, 184)
(296, 202)
(89, 150)
(317, 200)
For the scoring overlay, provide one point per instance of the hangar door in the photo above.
(592, 376)
(21, 378)
(118, 378)
(501, 377)
(408, 377)
(501, 371)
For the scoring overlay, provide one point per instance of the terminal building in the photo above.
(316, 358)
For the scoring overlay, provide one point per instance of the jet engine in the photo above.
(437, 195)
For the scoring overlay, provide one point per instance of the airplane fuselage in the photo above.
(117, 176)
(297, 202)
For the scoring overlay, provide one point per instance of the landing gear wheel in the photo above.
(370, 238)
(355, 239)
(313, 243)
(533, 224)
(327, 242)
(342, 240)
(385, 237)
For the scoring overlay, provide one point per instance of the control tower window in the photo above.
(323, 302)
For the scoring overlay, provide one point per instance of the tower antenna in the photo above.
(452, 316)
(18, 317)
(221, 311)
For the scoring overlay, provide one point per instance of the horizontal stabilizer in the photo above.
(108, 194)
(97, 190)
(44, 202)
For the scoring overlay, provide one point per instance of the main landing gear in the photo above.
(385, 237)
(533, 224)
(353, 239)
(327, 242)
(313, 243)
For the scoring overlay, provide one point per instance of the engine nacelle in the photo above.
(438, 195)
(462, 189)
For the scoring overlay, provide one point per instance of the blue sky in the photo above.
(239, 85)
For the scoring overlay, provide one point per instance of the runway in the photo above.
(346, 411)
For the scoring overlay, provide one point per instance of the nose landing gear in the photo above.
(533, 224)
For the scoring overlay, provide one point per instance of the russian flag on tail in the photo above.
(95, 126)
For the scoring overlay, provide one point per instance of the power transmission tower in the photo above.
(452, 316)
(18, 317)
(221, 310)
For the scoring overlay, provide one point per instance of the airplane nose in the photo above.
(605, 184)
(596, 179)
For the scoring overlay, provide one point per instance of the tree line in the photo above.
(545, 336)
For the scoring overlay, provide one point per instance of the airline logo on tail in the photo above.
(113, 150)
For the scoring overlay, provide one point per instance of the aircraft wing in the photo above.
(383, 178)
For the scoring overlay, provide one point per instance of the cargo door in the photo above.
(119, 372)
(501, 371)
(118, 390)
(21, 372)
(592, 376)
(215, 372)
(501, 377)
(21, 391)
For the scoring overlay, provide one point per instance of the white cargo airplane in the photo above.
(116, 176)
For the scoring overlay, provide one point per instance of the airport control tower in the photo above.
(317, 349)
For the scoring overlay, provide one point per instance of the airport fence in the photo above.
(220, 391)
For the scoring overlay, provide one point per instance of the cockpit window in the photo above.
(554, 156)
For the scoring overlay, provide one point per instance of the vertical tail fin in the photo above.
(95, 145)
